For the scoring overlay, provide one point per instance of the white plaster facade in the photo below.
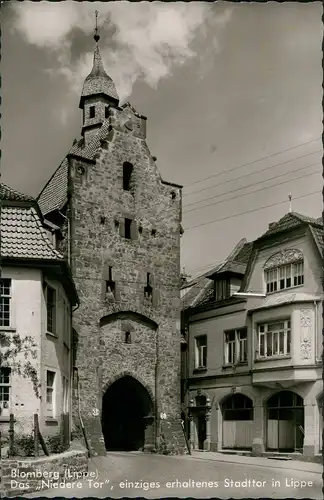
(28, 315)
(260, 378)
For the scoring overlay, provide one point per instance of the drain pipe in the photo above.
(316, 328)
(80, 416)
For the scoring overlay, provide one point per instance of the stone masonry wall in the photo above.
(99, 207)
(16, 476)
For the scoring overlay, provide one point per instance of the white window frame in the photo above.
(5, 406)
(51, 407)
(8, 297)
(235, 350)
(291, 274)
(274, 339)
(200, 352)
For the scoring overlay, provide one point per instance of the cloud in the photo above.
(146, 40)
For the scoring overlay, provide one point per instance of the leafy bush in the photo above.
(23, 445)
(54, 444)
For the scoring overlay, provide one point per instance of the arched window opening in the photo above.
(285, 422)
(238, 407)
(237, 412)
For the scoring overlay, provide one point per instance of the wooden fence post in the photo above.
(36, 436)
(11, 434)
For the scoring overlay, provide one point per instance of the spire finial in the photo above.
(290, 207)
(96, 36)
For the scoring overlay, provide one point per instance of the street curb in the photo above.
(291, 465)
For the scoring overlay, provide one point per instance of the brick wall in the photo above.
(50, 470)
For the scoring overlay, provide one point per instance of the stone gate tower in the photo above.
(119, 225)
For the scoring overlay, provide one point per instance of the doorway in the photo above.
(285, 422)
(126, 408)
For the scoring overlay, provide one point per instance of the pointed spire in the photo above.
(98, 82)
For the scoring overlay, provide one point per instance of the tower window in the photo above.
(148, 289)
(128, 223)
(127, 174)
(128, 229)
(110, 284)
(128, 338)
(92, 112)
(106, 111)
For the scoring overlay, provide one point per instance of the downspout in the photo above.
(316, 328)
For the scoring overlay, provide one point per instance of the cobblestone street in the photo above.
(151, 476)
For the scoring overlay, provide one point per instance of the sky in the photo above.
(232, 94)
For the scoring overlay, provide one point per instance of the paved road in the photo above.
(154, 476)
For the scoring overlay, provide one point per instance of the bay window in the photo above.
(274, 339)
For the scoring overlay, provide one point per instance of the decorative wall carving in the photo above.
(306, 333)
(284, 257)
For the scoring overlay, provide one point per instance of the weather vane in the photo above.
(97, 36)
(290, 207)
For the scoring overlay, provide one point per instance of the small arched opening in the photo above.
(126, 412)
(285, 422)
(237, 411)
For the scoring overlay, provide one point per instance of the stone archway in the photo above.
(127, 414)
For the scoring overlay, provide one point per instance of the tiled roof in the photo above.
(54, 194)
(318, 234)
(98, 82)
(202, 290)
(7, 193)
(289, 221)
(23, 236)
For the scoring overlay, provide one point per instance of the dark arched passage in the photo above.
(126, 412)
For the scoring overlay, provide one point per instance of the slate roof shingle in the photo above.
(202, 290)
(98, 82)
(23, 236)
